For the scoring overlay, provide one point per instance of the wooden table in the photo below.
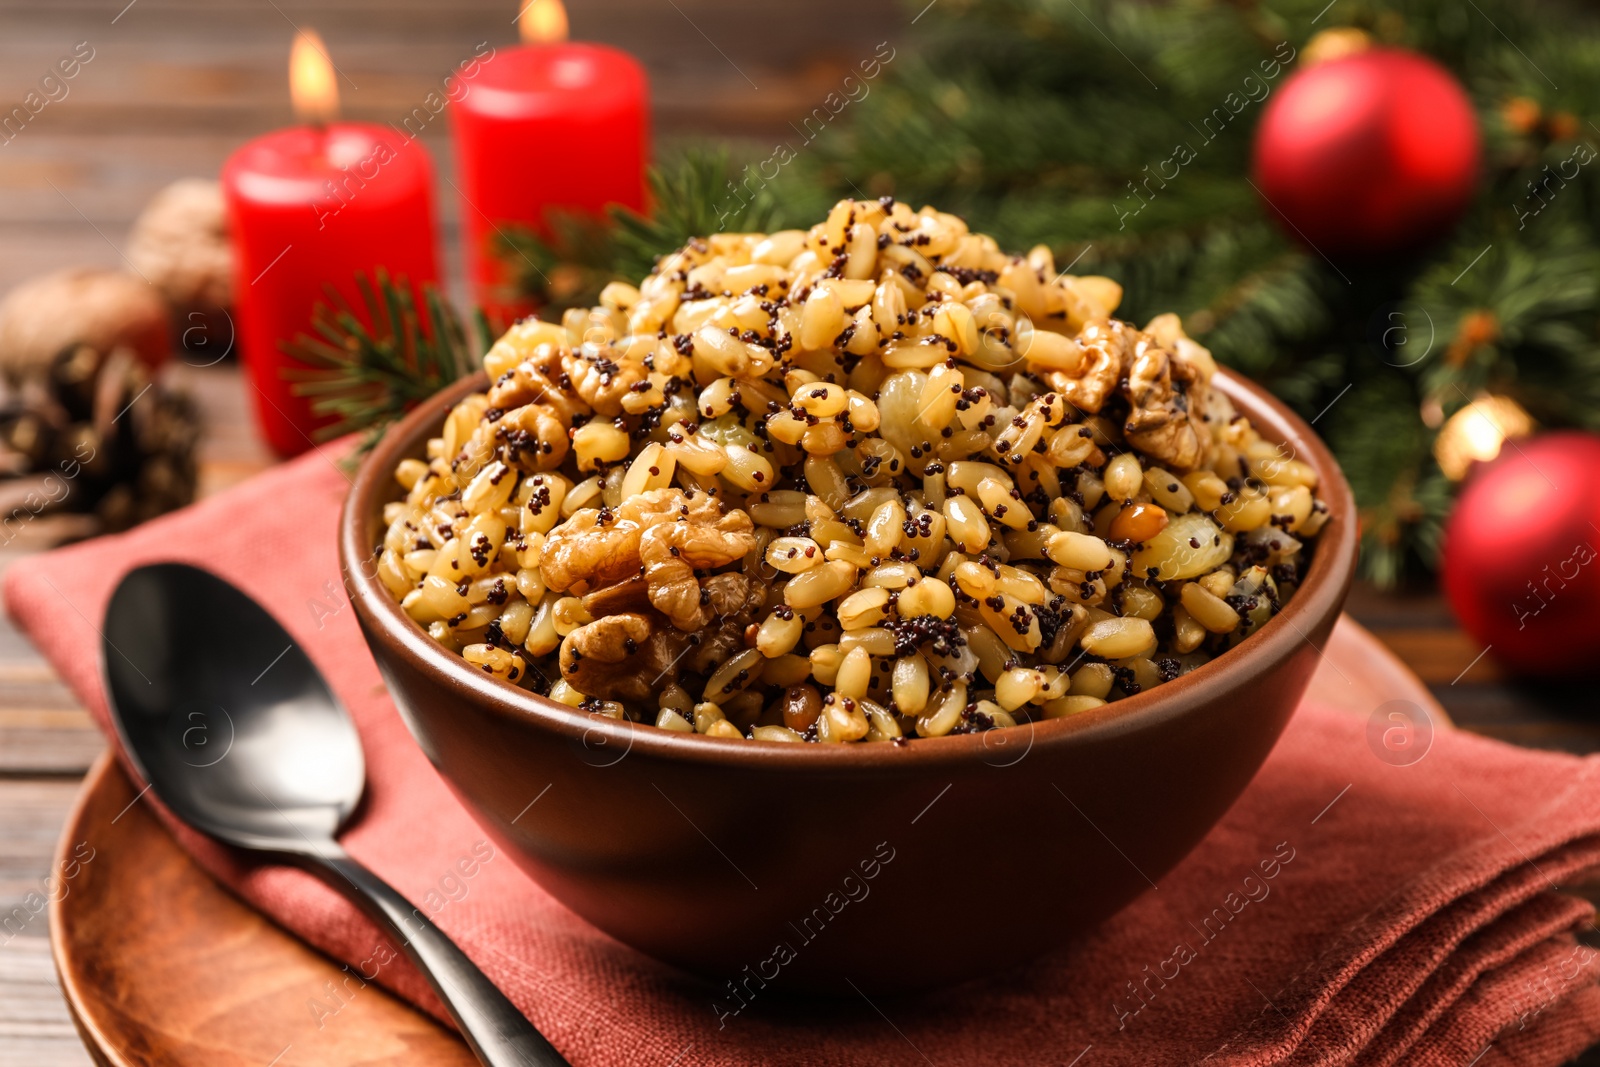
(175, 84)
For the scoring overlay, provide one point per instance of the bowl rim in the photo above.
(1318, 600)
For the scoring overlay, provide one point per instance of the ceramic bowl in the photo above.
(892, 866)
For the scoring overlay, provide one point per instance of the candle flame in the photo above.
(542, 22)
(311, 83)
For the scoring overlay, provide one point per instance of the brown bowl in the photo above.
(894, 866)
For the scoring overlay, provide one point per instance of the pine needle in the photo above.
(366, 367)
(691, 196)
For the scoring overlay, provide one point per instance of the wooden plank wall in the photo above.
(174, 85)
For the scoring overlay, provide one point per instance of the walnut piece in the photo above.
(735, 597)
(1106, 348)
(735, 601)
(538, 411)
(1163, 422)
(603, 381)
(1164, 377)
(179, 244)
(594, 547)
(630, 653)
(534, 438)
(539, 379)
(104, 309)
(629, 595)
(621, 657)
(698, 536)
(669, 533)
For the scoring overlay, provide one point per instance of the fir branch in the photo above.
(366, 367)
(693, 195)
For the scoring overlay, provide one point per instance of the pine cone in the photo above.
(92, 438)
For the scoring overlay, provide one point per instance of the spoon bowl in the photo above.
(217, 703)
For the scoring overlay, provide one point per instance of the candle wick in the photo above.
(319, 134)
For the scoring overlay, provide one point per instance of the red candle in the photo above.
(307, 207)
(553, 124)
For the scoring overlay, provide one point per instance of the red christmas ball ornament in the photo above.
(1368, 153)
(1521, 555)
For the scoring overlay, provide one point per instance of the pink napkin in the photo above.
(1346, 910)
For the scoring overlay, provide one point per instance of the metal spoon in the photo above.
(238, 734)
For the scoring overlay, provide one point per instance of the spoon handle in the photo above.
(499, 1033)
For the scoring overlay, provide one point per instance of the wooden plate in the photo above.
(161, 965)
